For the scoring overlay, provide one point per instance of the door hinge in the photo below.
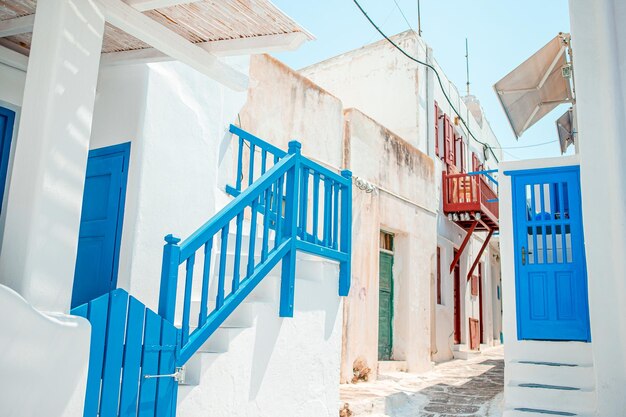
(179, 375)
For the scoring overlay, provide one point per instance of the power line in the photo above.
(527, 146)
(402, 13)
(486, 145)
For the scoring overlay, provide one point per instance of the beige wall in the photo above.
(405, 204)
(284, 105)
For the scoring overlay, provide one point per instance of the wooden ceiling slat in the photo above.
(202, 21)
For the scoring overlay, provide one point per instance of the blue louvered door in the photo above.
(550, 277)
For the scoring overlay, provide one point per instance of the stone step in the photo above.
(531, 412)
(464, 353)
(557, 398)
(551, 373)
(242, 317)
(572, 353)
(391, 367)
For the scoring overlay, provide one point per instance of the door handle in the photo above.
(523, 255)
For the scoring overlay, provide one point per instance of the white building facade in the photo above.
(575, 367)
(99, 133)
(405, 98)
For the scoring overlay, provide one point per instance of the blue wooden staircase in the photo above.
(283, 203)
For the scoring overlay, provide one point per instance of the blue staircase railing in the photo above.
(302, 204)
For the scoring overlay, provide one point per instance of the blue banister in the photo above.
(277, 203)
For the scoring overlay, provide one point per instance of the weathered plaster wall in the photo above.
(379, 156)
(400, 94)
(397, 92)
(283, 105)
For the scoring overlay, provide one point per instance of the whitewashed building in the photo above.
(413, 301)
(562, 233)
(115, 133)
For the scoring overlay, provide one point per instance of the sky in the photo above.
(501, 35)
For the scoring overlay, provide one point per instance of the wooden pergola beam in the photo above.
(136, 24)
(17, 26)
(229, 47)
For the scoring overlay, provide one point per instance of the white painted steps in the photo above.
(546, 379)
(263, 301)
(463, 352)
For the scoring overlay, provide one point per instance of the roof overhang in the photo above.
(537, 86)
(191, 31)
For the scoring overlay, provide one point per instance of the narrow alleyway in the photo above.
(468, 388)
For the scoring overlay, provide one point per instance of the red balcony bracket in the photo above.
(463, 245)
(480, 253)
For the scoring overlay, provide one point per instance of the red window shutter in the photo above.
(475, 162)
(474, 282)
(438, 275)
(436, 129)
(462, 154)
(448, 141)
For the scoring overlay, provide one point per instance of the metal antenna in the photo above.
(467, 67)
(419, 19)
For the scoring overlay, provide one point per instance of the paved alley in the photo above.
(468, 388)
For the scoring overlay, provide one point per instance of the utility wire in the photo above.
(402, 13)
(486, 145)
(527, 146)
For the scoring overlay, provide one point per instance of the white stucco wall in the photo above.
(177, 121)
(399, 93)
(43, 360)
(380, 82)
(11, 93)
(598, 36)
(278, 367)
(42, 212)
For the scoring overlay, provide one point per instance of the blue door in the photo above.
(101, 223)
(7, 120)
(551, 275)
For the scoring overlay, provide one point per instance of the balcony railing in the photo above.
(468, 195)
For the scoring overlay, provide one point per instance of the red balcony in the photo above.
(470, 201)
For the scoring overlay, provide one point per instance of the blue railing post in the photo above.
(169, 278)
(290, 231)
(346, 235)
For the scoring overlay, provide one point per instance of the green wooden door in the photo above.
(385, 306)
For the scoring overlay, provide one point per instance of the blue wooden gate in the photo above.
(132, 363)
(551, 275)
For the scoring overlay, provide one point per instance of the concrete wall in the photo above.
(283, 105)
(600, 70)
(404, 203)
(380, 82)
(400, 94)
(397, 92)
(36, 379)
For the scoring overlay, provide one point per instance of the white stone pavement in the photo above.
(468, 388)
